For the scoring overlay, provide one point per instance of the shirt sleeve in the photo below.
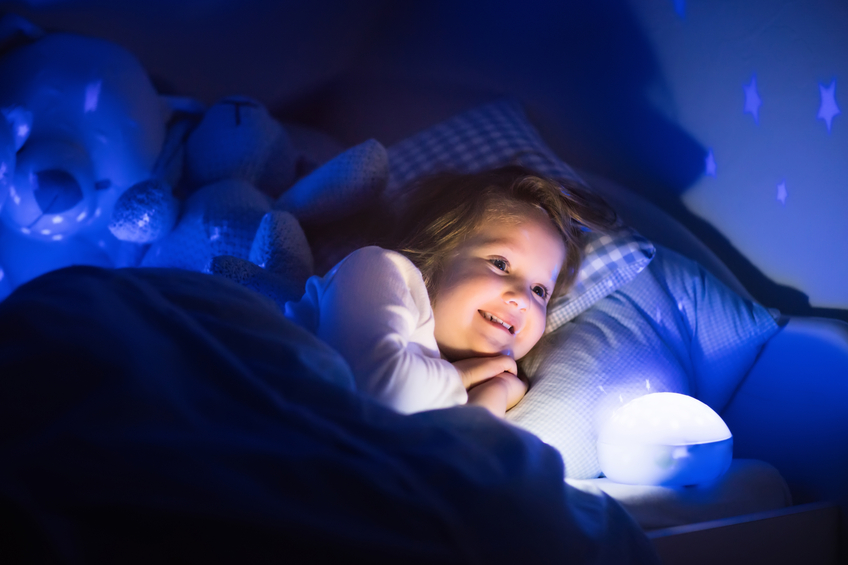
(374, 303)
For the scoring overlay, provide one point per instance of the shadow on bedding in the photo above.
(153, 415)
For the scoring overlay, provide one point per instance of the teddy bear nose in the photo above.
(56, 191)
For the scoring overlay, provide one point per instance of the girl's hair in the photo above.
(445, 209)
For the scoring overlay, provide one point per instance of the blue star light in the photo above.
(781, 192)
(828, 108)
(680, 8)
(752, 99)
(710, 164)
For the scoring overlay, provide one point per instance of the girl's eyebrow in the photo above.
(493, 242)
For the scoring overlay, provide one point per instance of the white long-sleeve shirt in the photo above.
(374, 309)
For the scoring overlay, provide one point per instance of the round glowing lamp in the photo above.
(665, 439)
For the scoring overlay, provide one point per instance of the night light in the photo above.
(666, 439)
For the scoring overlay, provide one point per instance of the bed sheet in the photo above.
(150, 415)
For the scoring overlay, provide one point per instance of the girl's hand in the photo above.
(475, 370)
(516, 388)
(498, 394)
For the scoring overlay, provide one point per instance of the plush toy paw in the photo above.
(219, 219)
(280, 247)
(280, 260)
(342, 186)
(278, 288)
(145, 212)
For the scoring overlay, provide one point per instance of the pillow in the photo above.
(674, 328)
(499, 134)
(610, 261)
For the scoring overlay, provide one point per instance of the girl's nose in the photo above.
(515, 298)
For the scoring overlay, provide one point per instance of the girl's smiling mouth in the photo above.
(497, 321)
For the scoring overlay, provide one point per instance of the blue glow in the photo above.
(828, 108)
(710, 164)
(781, 192)
(21, 121)
(664, 438)
(92, 96)
(86, 125)
(752, 100)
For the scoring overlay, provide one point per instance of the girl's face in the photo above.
(494, 291)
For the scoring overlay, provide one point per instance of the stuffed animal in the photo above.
(96, 171)
(95, 128)
(15, 125)
(237, 159)
(238, 138)
(241, 158)
(280, 261)
(148, 210)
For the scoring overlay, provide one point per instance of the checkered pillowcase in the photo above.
(499, 134)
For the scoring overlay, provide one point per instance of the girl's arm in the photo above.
(375, 311)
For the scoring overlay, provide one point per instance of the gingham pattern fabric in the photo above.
(499, 134)
(675, 328)
(611, 261)
(485, 137)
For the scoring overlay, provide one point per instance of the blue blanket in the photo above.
(160, 415)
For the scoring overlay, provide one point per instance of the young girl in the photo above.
(442, 320)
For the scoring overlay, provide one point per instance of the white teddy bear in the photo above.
(243, 216)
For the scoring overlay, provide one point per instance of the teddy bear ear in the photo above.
(177, 107)
(20, 121)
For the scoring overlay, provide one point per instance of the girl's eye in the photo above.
(541, 291)
(500, 264)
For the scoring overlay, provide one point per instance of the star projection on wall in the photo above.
(781, 192)
(828, 108)
(752, 100)
(710, 164)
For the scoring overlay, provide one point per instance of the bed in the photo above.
(154, 413)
